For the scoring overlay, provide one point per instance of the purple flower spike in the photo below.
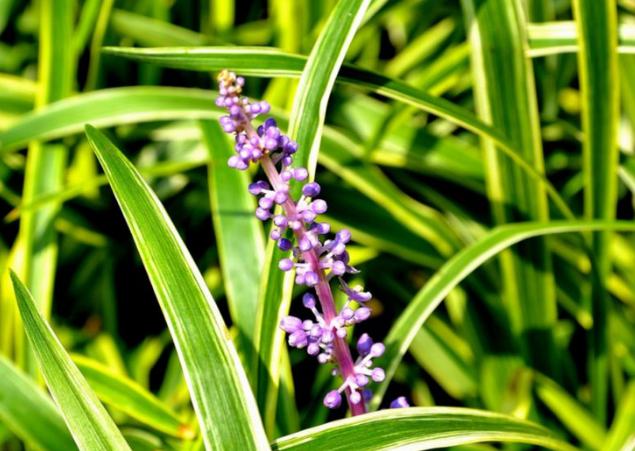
(316, 259)
(333, 399)
(399, 403)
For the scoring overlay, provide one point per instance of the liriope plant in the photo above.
(404, 178)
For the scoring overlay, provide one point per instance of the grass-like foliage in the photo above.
(183, 183)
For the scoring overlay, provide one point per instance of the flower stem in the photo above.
(322, 289)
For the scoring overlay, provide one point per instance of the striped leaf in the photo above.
(218, 385)
(88, 421)
(419, 429)
(597, 29)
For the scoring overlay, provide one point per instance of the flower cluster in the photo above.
(316, 259)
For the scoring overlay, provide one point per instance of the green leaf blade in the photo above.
(88, 421)
(506, 98)
(598, 37)
(23, 404)
(218, 385)
(318, 78)
(239, 235)
(419, 429)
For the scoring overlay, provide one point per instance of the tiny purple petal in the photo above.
(378, 374)
(323, 228)
(364, 344)
(270, 144)
(333, 399)
(290, 324)
(377, 350)
(338, 268)
(281, 197)
(311, 278)
(232, 162)
(305, 244)
(265, 202)
(284, 244)
(300, 174)
(285, 264)
(362, 314)
(316, 331)
(291, 148)
(280, 221)
(308, 300)
(347, 313)
(361, 380)
(319, 206)
(328, 336)
(286, 175)
(343, 235)
(270, 122)
(399, 403)
(298, 339)
(355, 397)
(308, 216)
(262, 214)
(311, 189)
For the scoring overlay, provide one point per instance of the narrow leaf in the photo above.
(86, 418)
(218, 385)
(318, 78)
(419, 429)
(597, 29)
(23, 404)
(239, 236)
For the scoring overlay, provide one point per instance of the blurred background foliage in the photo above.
(532, 333)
